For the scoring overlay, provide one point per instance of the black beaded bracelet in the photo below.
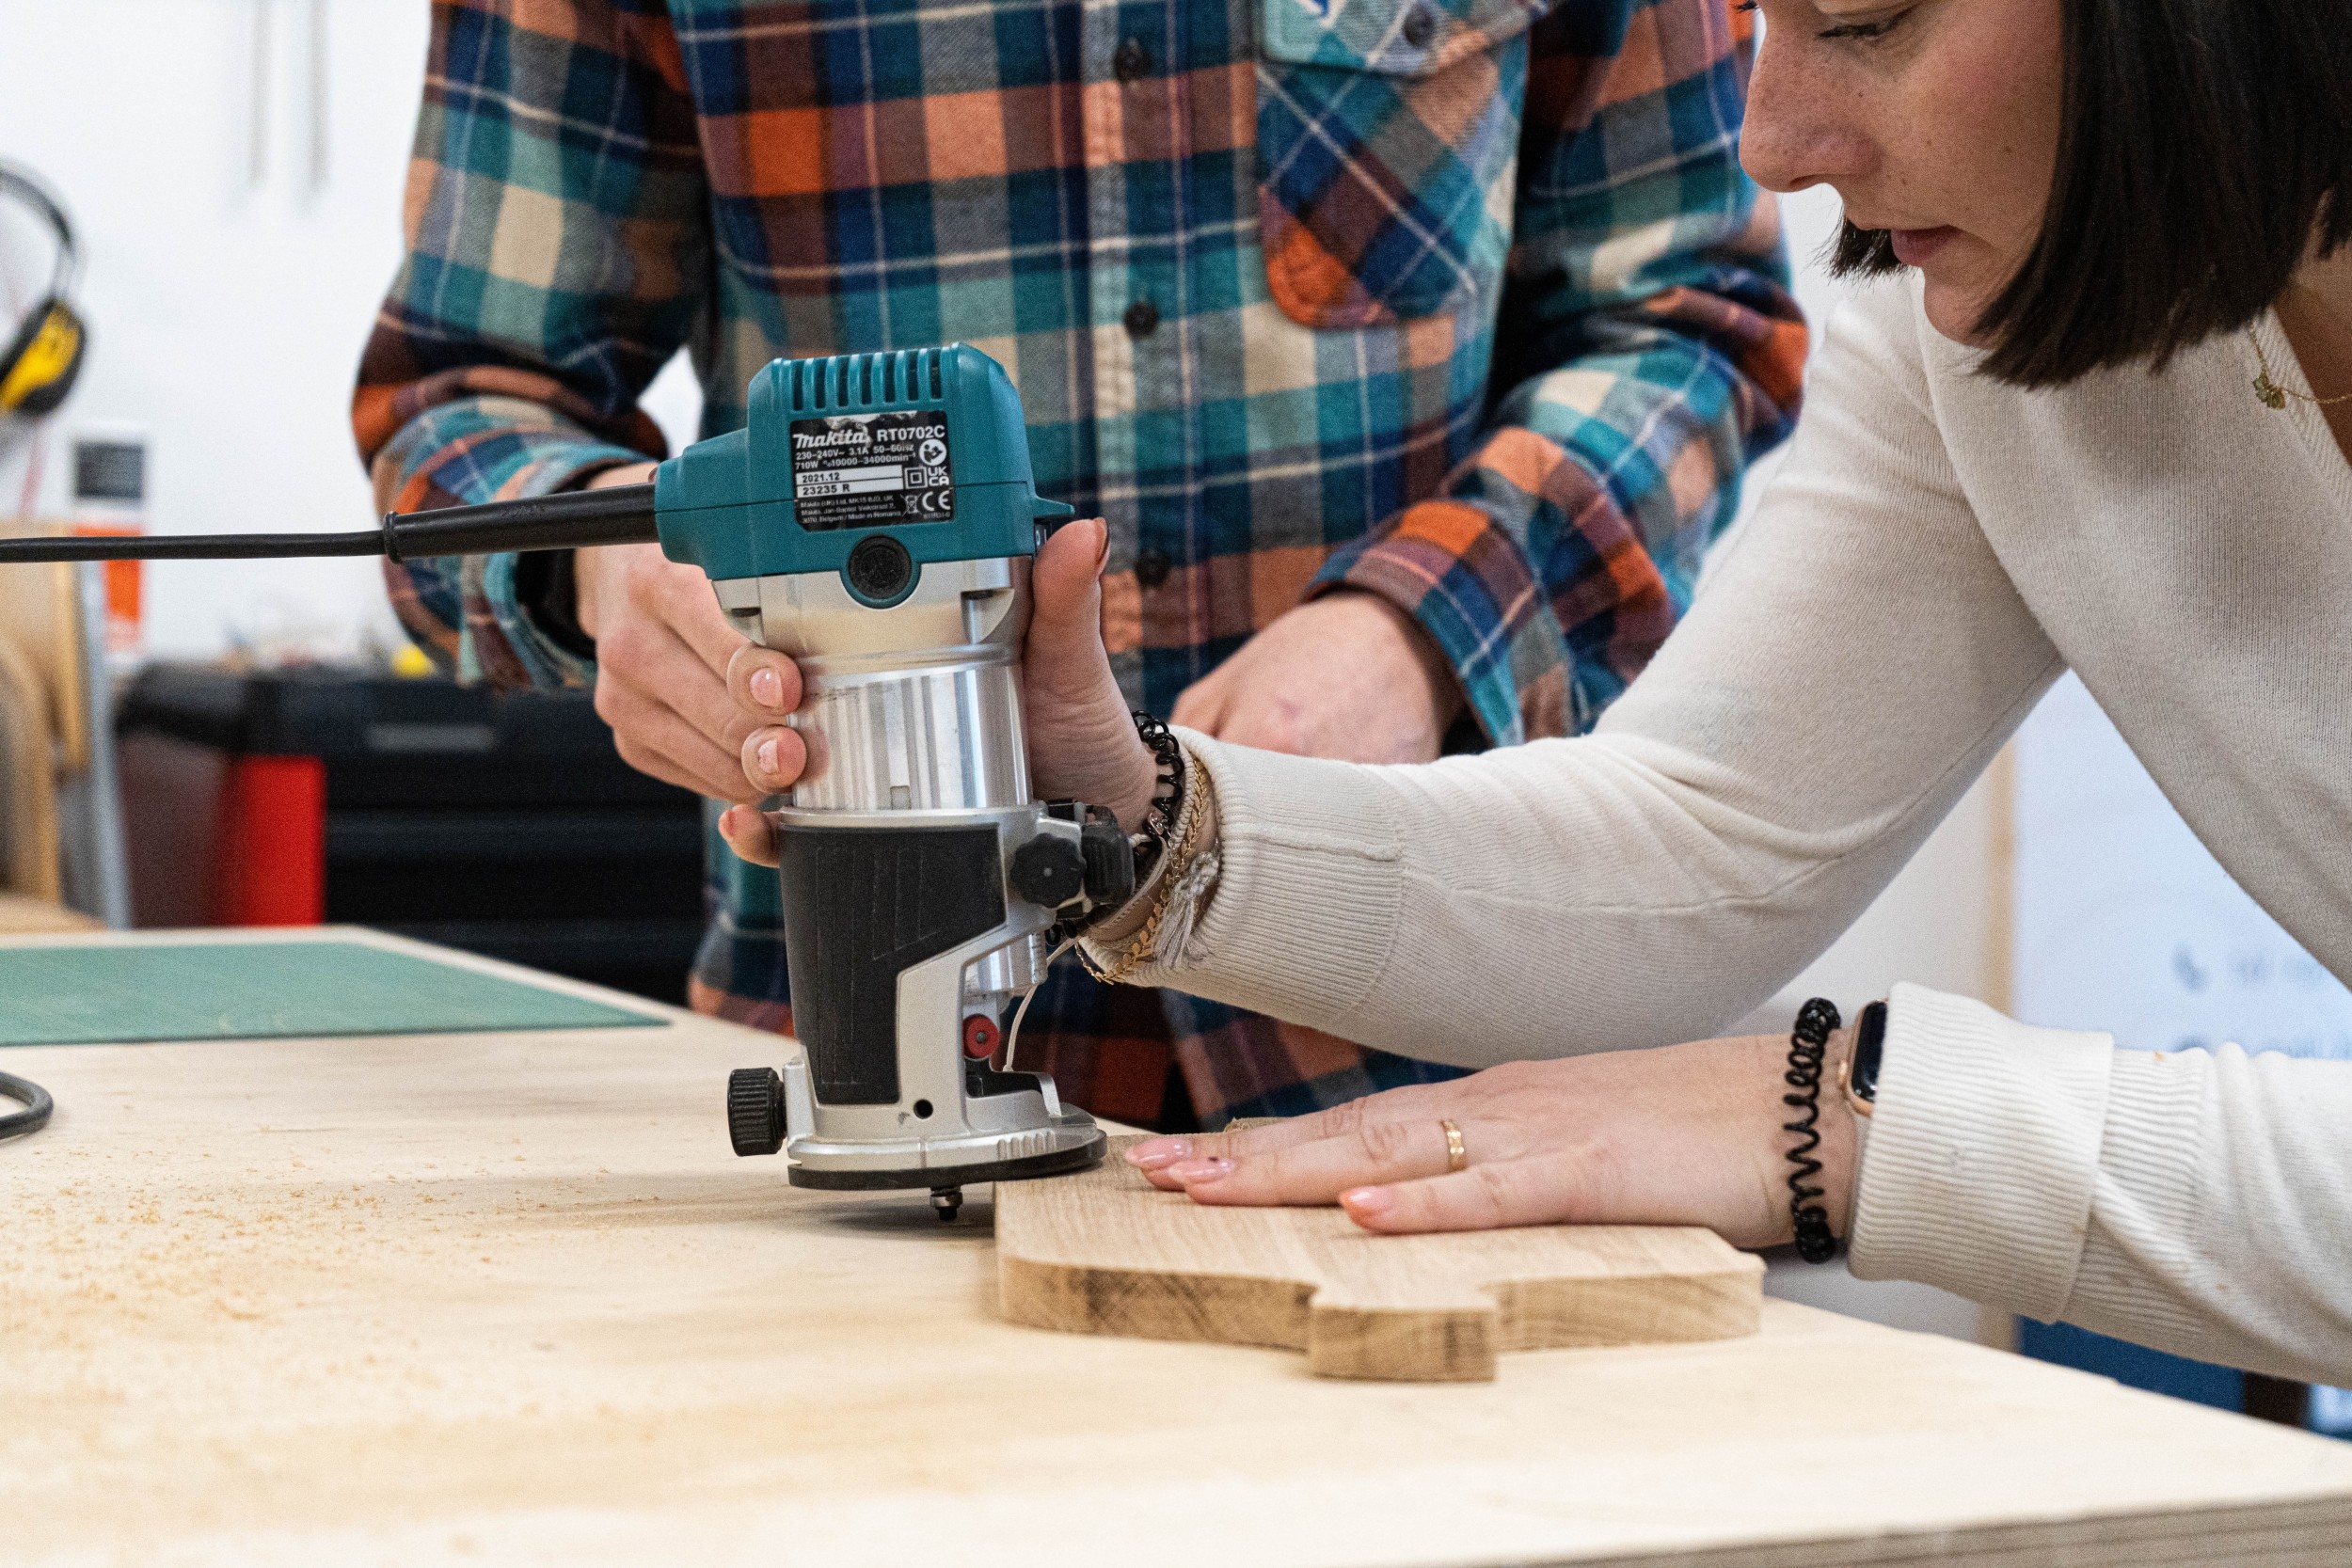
(1808, 1046)
(1168, 793)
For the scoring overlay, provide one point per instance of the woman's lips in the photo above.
(1917, 248)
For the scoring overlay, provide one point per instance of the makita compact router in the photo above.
(874, 519)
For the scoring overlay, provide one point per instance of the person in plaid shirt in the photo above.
(1413, 350)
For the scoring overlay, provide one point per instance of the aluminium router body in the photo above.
(898, 844)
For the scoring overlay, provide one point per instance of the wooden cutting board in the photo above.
(1104, 1252)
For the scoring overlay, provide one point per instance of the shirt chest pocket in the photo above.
(1388, 136)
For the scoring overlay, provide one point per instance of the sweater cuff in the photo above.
(1983, 1153)
(1305, 909)
(2150, 1208)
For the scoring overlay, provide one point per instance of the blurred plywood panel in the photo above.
(29, 862)
(21, 917)
(41, 618)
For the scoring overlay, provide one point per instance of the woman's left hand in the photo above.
(1081, 737)
(1686, 1134)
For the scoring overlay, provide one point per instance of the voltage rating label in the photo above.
(862, 470)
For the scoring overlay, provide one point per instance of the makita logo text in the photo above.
(848, 435)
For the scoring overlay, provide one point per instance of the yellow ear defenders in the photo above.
(37, 367)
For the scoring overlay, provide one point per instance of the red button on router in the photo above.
(980, 1037)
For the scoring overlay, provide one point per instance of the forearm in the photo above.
(1561, 555)
(1856, 660)
(1556, 898)
(543, 287)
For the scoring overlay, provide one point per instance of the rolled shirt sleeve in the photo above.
(557, 247)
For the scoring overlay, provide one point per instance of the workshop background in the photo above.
(233, 170)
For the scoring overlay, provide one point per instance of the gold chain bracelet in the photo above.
(1179, 858)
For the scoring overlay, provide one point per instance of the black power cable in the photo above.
(191, 547)
(35, 1100)
(619, 514)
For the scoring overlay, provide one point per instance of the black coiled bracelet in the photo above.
(1168, 793)
(1808, 1047)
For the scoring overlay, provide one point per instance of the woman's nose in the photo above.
(1801, 131)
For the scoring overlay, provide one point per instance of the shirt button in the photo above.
(1151, 568)
(1142, 319)
(1418, 25)
(1132, 60)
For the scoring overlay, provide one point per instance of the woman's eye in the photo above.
(1863, 30)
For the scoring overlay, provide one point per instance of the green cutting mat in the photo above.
(267, 991)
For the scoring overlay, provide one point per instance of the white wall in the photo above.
(228, 303)
(226, 310)
(2126, 922)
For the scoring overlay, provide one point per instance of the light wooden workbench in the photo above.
(510, 1298)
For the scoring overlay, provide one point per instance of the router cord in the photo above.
(569, 519)
(189, 546)
(36, 1101)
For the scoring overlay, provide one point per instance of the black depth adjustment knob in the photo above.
(1049, 870)
(1111, 862)
(755, 1110)
(881, 569)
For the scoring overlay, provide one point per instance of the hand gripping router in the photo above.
(875, 519)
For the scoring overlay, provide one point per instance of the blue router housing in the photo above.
(729, 504)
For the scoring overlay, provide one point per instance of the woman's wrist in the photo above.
(1817, 1130)
(1841, 1141)
(1141, 770)
(1155, 926)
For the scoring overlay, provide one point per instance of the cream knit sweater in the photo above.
(1936, 550)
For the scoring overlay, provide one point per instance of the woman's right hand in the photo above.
(1083, 744)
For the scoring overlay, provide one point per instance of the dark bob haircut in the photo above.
(2206, 144)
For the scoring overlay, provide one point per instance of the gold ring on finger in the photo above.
(1456, 1152)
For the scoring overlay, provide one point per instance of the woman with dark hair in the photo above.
(2097, 416)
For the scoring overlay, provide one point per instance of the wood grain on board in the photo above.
(509, 1298)
(1104, 1252)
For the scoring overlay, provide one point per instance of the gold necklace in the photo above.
(2270, 394)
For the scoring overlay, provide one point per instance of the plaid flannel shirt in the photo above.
(1464, 303)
